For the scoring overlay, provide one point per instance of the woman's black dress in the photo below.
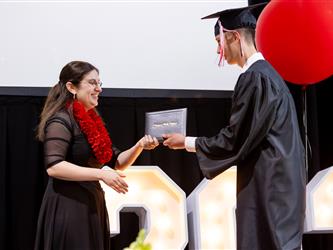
(73, 214)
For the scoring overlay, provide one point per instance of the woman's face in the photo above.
(89, 89)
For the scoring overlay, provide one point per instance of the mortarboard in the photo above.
(231, 19)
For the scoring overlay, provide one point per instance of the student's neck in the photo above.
(247, 53)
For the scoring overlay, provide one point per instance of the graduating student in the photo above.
(262, 139)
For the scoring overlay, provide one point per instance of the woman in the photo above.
(73, 214)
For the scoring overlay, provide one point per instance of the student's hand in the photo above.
(174, 141)
(148, 142)
(114, 179)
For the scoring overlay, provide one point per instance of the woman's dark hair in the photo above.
(58, 96)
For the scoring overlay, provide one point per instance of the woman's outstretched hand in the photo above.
(148, 142)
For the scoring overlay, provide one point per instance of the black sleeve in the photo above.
(115, 153)
(253, 111)
(57, 139)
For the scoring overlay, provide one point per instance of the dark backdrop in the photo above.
(23, 177)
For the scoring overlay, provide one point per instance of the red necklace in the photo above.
(93, 128)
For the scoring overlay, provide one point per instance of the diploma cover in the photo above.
(166, 122)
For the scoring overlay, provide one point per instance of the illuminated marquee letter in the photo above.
(159, 202)
(211, 213)
(319, 203)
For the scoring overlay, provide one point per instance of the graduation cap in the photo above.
(231, 19)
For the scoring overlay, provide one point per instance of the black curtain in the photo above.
(22, 175)
(320, 138)
(23, 178)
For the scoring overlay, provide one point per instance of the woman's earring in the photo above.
(74, 96)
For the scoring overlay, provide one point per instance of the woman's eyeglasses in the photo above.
(95, 83)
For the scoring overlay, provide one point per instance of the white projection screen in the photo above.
(135, 44)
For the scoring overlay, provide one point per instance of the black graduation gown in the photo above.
(263, 140)
(73, 214)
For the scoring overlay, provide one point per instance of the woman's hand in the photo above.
(147, 142)
(127, 158)
(114, 179)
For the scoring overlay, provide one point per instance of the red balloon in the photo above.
(296, 37)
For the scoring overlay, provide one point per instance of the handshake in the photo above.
(115, 179)
(173, 141)
(167, 127)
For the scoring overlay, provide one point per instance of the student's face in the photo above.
(231, 49)
(218, 40)
(89, 89)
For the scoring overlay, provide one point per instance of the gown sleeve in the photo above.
(57, 139)
(254, 106)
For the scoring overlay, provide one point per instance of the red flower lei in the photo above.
(93, 128)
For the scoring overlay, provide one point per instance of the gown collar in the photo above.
(251, 60)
